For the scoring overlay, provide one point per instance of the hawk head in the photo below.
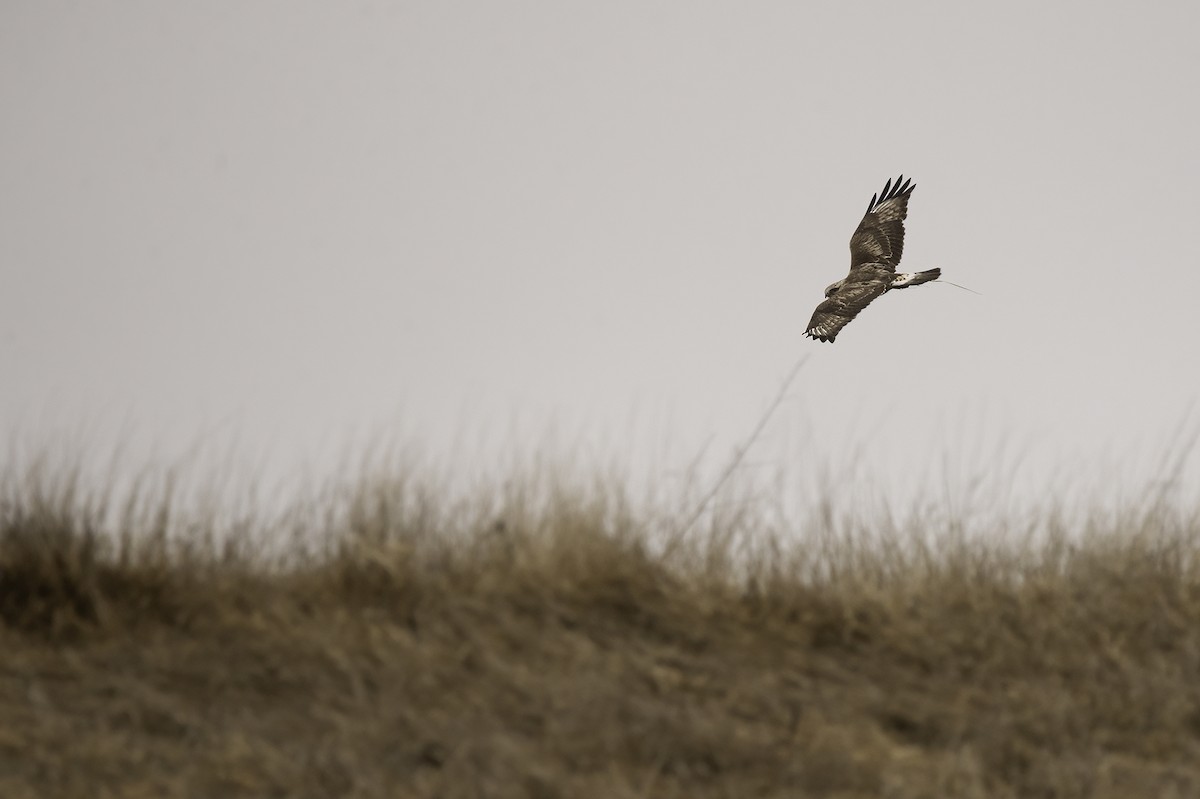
(833, 287)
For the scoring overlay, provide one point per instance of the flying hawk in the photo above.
(875, 250)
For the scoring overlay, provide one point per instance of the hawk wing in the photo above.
(841, 306)
(880, 235)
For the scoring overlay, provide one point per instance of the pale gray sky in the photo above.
(299, 224)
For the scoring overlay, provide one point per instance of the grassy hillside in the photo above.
(571, 647)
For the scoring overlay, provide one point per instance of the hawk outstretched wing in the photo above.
(841, 306)
(880, 235)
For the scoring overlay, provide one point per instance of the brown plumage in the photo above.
(875, 250)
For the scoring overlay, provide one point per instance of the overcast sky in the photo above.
(601, 228)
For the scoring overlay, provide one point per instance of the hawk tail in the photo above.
(906, 279)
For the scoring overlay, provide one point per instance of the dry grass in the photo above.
(565, 647)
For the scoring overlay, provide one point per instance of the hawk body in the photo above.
(875, 250)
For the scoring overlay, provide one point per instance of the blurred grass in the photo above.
(541, 641)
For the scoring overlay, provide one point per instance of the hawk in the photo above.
(875, 250)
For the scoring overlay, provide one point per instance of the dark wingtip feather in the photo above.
(897, 189)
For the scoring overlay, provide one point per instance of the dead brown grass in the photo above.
(566, 648)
